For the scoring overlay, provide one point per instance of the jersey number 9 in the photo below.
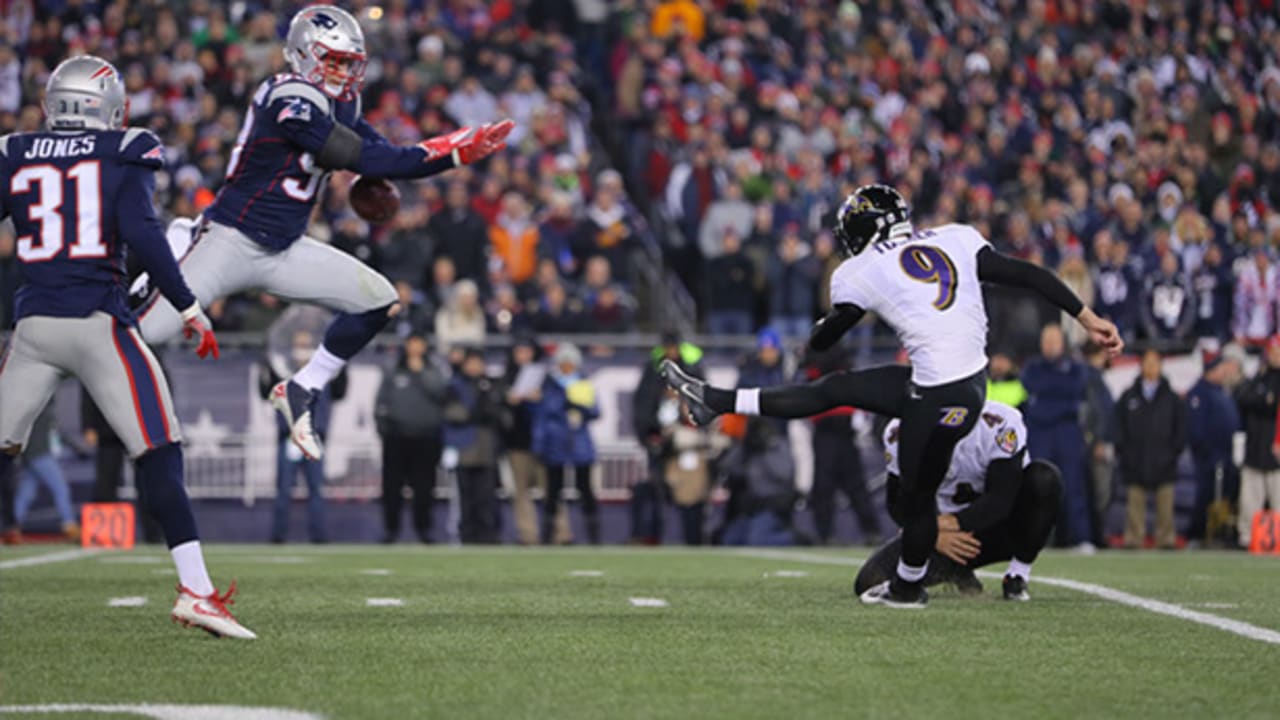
(928, 264)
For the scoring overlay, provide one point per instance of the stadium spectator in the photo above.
(557, 234)
(730, 288)
(728, 211)
(1256, 297)
(761, 481)
(557, 312)
(1258, 399)
(522, 388)
(561, 439)
(1056, 386)
(1075, 273)
(606, 231)
(687, 471)
(792, 275)
(650, 414)
(461, 235)
(1098, 423)
(837, 461)
(108, 451)
(1213, 421)
(1167, 307)
(40, 467)
(289, 458)
(514, 238)
(1151, 432)
(461, 321)
(416, 316)
(472, 413)
(1116, 283)
(408, 413)
(1003, 381)
(1214, 288)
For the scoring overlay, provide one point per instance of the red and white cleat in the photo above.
(294, 403)
(210, 613)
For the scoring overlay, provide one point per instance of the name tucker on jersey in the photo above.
(60, 147)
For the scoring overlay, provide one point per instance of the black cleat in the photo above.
(690, 390)
(897, 594)
(967, 583)
(1015, 588)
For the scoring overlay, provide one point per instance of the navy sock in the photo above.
(348, 333)
(161, 493)
(6, 491)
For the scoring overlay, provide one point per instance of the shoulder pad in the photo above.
(294, 89)
(140, 146)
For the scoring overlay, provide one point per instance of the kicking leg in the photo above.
(311, 271)
(880, 390)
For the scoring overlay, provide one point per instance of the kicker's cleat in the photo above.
(691, 390)
(210, 613)
(967, 583)
(899, 595)
(1015, 588)
(294, 403)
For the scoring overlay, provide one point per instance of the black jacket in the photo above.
(648, 395)
(463, 237)
(411, 404)
(1150, 435)
(1257, 398)
(730, 283)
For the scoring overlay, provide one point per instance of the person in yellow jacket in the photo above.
(1003, 383)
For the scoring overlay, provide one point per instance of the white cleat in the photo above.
(294, 404)
(883, 594)
(210, 613)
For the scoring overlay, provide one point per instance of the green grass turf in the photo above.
(507, 633)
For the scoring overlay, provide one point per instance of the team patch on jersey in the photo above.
(1008, 440)
(155, 153)
(296, 109)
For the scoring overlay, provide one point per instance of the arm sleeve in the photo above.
(834, 325)
(1003, 477)
(1005, 270)
(338, 147)
(146, 238)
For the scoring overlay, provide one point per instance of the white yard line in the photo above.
(47, 558)
(166, 712)
(383, 602)
(128, 601)
(1237, 627)
(647, 602)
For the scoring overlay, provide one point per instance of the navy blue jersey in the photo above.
(77, 200)
(273, 179)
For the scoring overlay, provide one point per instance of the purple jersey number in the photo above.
(928, 264)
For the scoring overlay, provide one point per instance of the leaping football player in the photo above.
(926, 285)
(996, 503)
(79, 192)
(300, 127)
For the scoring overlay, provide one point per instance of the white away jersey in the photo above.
(999, 434)
(926, 287)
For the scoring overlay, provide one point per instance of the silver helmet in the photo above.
(85, 92)
(326, 46)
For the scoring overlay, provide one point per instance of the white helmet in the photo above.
(320, 39)
(85, 92)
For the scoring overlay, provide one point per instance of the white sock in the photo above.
(747, 401)
(1019, 568)
(191, 571)
(912, 574)
(323, 367)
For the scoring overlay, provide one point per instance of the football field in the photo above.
(417, 632)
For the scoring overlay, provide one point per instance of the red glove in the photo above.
(194, 324)
(470, 145)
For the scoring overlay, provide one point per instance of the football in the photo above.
(374, 199)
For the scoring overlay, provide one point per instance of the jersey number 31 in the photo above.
(928, 264)
(48, 183)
